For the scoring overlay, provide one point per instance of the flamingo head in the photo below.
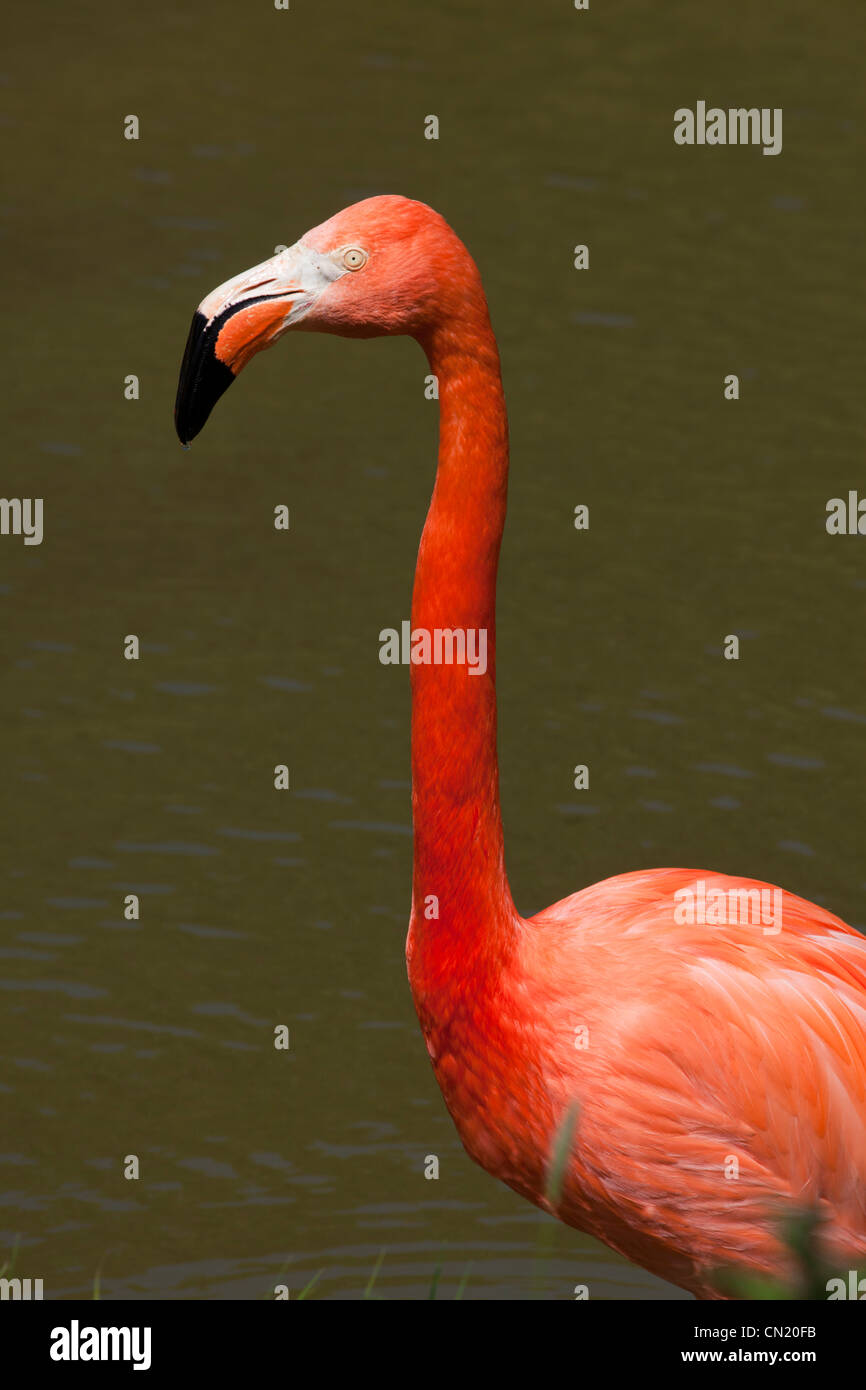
(387, 265)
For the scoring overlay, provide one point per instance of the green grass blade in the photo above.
(368, 1292)
(461, 1287)
(97, 1280)
(8, 1265)
(561, 1149)
(306, 1289)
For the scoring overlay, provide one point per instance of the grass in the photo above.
(563, 1140)
(8, 1266)
(800, 1232)
(305, 1291)
(374, 1274)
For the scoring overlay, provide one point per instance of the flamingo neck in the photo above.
(459, 866)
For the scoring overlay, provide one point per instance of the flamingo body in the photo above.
(720, 1074)
(717, 1072)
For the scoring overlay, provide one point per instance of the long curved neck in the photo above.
(459, 859)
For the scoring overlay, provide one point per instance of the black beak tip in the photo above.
(183, 430)
(203, 379)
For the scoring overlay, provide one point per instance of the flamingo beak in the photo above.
(238, 319)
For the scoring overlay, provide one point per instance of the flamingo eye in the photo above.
(354, 258)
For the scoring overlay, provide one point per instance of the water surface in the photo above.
(154, 1037)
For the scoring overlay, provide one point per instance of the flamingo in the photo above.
(714, 1069)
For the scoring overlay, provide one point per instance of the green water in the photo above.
(154, 1037)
